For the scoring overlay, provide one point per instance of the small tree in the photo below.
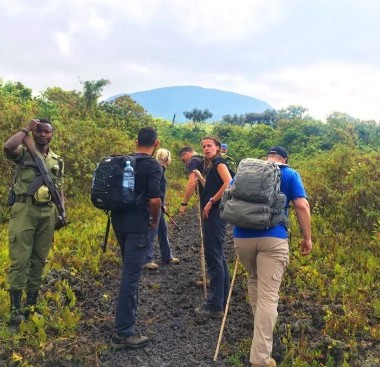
(198, 116)
(92, 90)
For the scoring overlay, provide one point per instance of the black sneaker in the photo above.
(132, 341)
(205, 312)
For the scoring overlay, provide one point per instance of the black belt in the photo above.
(24, 198)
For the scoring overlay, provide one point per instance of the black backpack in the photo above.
(107, 182)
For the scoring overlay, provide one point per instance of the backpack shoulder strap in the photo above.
(224, 160)
(133, 158)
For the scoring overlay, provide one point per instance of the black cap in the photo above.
(280, 151)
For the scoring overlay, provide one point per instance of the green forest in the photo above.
(338, 159)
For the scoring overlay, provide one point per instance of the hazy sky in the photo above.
(321, 54)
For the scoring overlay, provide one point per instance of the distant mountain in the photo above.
(169, 101)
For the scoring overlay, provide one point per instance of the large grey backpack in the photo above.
(254, 200)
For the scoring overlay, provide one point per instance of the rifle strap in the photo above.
(35, 185)
(39, 181)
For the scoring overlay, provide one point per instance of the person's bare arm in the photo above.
(302, 208)
(190, 188)
(62, 196)
(199, 176)
(12, 145)
(154, 207)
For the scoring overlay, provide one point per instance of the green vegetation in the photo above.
(338, 160)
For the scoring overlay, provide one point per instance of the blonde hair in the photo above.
(163, 156)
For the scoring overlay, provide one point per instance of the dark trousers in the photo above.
(214, 232)
(134, 249)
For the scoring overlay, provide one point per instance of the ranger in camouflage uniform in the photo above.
(33, 215)
(231, 164)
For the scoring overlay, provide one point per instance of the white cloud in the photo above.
(216, 20)
(63, 42)
(323, 88)
(322, 55)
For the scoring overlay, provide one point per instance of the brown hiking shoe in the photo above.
(272, 363)
(205, 312)
(132, 341)
(151, 266)
(173, 261)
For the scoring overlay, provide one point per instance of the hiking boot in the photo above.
(173, 261)
(151, 266)
(205, 312)
(132, 341)
(30, 305)
(272, 363)
(16, 314)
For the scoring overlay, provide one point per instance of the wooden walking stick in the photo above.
(202, 254)
(226, 310)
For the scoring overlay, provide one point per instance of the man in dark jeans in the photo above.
(131, 229)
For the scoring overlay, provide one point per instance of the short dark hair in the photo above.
(147, 136)
(186, 149)
(45, 121)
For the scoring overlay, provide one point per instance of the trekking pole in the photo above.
(171, 219)
(226, 310)
(203, 263)
(105, 240)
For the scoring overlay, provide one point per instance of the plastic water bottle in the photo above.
(128, 184)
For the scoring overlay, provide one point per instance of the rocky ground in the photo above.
(167, 298)
(179, 338)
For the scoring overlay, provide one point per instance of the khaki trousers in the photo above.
(265, 259)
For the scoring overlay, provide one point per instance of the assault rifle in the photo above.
(45, 178)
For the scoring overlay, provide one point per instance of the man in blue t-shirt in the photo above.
(265, 255)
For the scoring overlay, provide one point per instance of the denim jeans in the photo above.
(135, 245)
(214, 232)
(265, 259)
(163, 240)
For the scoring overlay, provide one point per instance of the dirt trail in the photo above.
(167, 298)
(179, 338)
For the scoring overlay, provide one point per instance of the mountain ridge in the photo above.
(171, 102)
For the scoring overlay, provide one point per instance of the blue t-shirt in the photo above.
(292, 187)
(195, 162)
